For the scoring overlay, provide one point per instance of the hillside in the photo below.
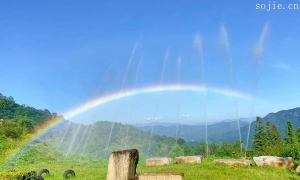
(18, 123)
(10, 110)
(97, 140)
(279, 118)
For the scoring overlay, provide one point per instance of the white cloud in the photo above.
(281, 65)
(154, 118)
(185, 116)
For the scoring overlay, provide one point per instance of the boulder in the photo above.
(161, 176)
(298, 169)
(233, 162)
(159, 161)
(279, 162)
(189, 159)
(122, 165)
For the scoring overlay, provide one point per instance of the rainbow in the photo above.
(123, 94)
(152, 89)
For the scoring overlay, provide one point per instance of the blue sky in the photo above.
(58, 55)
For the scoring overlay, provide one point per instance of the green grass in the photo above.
(39, 156)
(85, 169)
(207, 170)
(93, 170)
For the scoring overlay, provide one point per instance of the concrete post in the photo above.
(122, 165)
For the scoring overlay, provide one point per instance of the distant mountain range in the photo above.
(191, 132)
(227, 130)
(91, 139)
(168, 124)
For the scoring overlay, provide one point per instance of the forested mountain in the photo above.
(101, 138)
(278, 119)
(227, 131)
(9, 110)
(18, 123)
(16, 119)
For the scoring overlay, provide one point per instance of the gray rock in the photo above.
(189, 159)
(233, 162)
(279, 162)
(158, 161)
(161, 176)
(298, 169)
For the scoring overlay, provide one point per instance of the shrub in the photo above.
(291, 150)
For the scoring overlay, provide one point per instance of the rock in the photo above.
(161, 176)
(159, 161)
(233, 162)
(189, 159)
(122, 165)
(298, 169)
(279, 162)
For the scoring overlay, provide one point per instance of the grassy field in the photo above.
(208, 170)
(93, 170)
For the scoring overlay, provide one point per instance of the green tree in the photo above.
(274, 140)
(175, 151)
(298, 134)
(276, 137)
(26, 123)
(268, 131)
(11, 129)
(290, 137)
(200, 148)
(260, 139)
(188, 150)
(7, 107)
(181, 141)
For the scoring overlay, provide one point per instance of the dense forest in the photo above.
(18, 123)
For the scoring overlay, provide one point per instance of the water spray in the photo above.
(156, 106)
(122, 88)
(90, 128)
(199, 49)
(77, 130)
(225, 42)
(178, 98)
(257, 56)
(130, 115)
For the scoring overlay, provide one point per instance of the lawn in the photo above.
(93, 170)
